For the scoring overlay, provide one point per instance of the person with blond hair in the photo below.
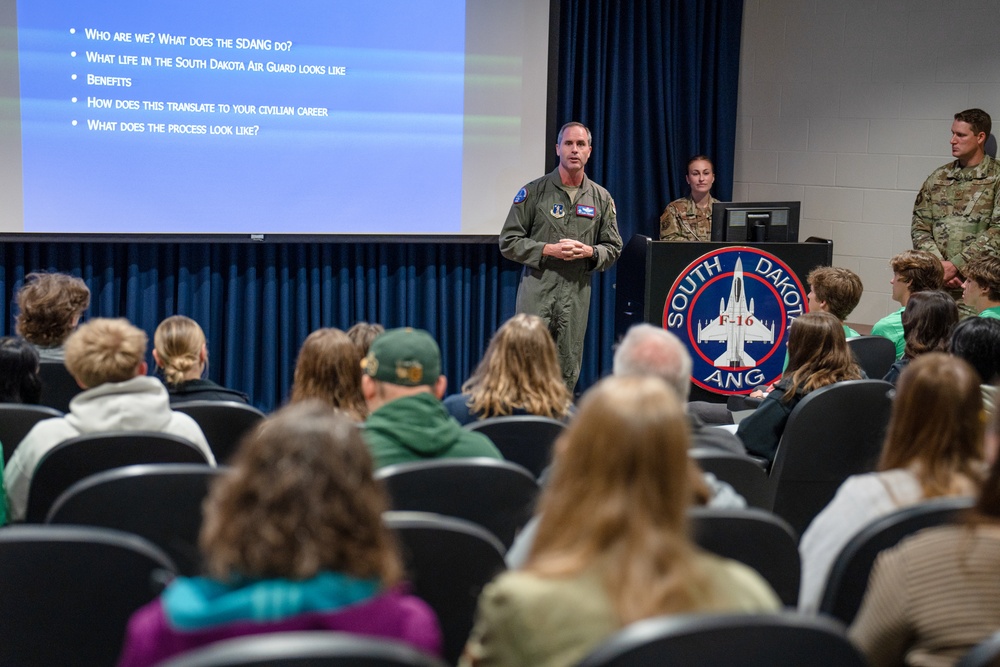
(612, 545)
(50, 306)
(817, 356)
(912, 271)
(933, 448)
(518, 375)
(181, 354)
(293, 540)
(107, 357)
(981, 289)
(329, 369)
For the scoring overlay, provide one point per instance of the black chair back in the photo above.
(448, 561)
(497, 495)
(984, 654)
(875, 354)
(224, 423)
(755, 538)
(58, 386)
(848, 578)
(522, 439)
(80, 457)
(16, 419)
(305, 649)
(744, 474)
(67, 593)
(833, 433)
(738, 640)
(159, 501)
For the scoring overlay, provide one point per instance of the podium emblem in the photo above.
(733, 308)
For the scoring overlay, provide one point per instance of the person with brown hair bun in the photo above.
(329, 369)
(690, 218)
(181, 353)
(518, 375)
(363, 333)
(292, 540)
(933, 448)
(50, 306)
(928, 320)
(817, 356)
(612, 544)
(937, 594)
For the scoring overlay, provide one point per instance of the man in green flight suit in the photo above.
(956, 215)
(562, 227)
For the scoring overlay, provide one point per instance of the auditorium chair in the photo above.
(305, 649)
(16, 419)
(729, 640)
(448, 561)
(875, 354)
(58, 386)
(497, 495)
(224, 423)
(67, 593)
(85, 455)
(848, 578)
(523, 439)
(159, 501)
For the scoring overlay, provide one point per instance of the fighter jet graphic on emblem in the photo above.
(736, 325)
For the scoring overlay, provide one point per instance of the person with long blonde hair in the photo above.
(933, 448)
(612, 544)
(518, 375)
(292, 540)
(329, 369)
(181, 355)
(817, 356)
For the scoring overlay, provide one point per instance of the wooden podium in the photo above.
(647, 270)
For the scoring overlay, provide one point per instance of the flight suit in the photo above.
(557, 290)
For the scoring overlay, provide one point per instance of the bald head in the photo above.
(650, 350)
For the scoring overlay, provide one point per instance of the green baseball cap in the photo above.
(409, 357)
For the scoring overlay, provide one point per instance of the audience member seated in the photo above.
(107, 357)
(652, 350)
(19, 383)
(977, 340)
(612, 546)
(50, 306)
(292, 540)
(937, 594)
(981, 289)
(363, 333)
(835, 290)
(329, 369)
(913, 271)
(817, 356)
(518, 375)
(933, 448)
(19, 380)
(181, 353)
(403, 386)
(928, 320)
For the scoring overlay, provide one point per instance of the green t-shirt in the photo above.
(891, 326)
(991, 313)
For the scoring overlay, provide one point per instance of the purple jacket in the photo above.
(150, 638)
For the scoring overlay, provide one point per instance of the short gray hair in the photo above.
(650, 350)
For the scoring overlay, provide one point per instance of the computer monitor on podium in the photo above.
(756, 222)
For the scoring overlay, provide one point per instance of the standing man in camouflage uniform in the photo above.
(957, 212)
(562, 227)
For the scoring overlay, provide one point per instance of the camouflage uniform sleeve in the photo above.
(987, 241)
(922, 226)
(670, 229)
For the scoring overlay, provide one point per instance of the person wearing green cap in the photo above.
(402, 383)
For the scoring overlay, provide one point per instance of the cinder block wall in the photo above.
(847, 106)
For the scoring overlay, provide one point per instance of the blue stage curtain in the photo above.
(655, 80)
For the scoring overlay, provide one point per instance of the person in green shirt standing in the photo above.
(981, 289)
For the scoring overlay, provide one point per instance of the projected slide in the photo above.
(200, 116)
